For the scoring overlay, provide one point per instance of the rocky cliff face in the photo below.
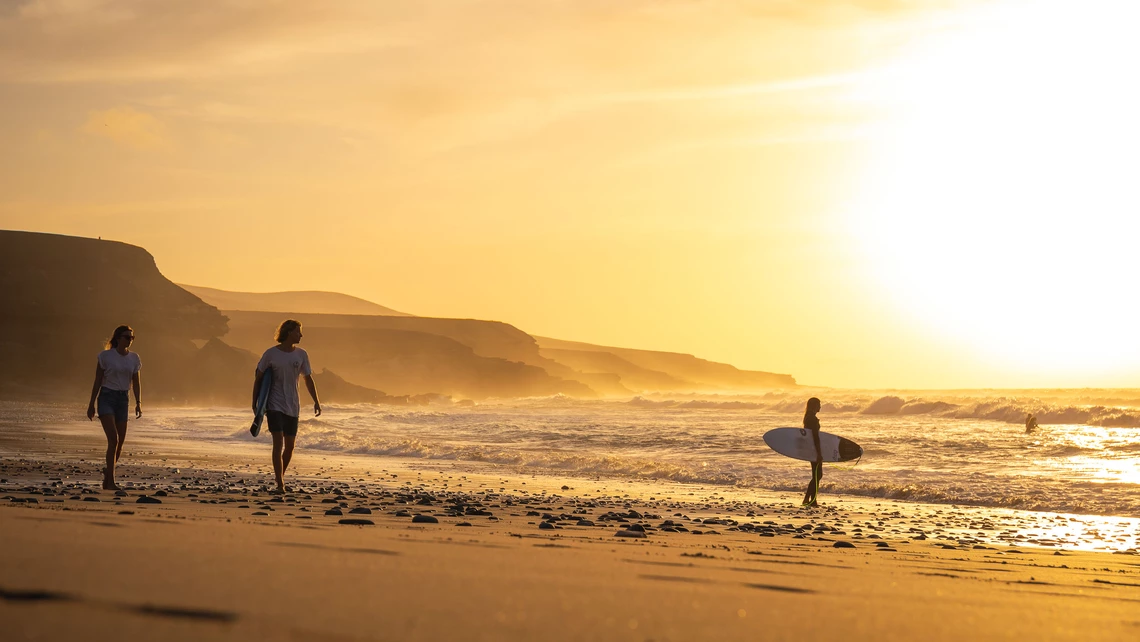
(62, 296)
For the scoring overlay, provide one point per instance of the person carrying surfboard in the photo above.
(811, 422)
(283, 410)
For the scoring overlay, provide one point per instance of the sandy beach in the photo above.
(387, 549)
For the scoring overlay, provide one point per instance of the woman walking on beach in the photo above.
(283, 410)
(811, 422)
(116, 370)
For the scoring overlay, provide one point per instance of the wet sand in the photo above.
(366, 548)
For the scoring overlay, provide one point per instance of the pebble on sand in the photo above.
(147, 500)
(424, 519)
(357, 522)
(630, 534)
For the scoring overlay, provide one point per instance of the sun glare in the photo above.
(1000, 203)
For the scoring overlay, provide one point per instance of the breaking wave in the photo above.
(1004, 409)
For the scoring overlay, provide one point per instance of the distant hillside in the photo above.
(305, 301)
(631, 376)
(414, 355)
(63, 295)
(672, 370)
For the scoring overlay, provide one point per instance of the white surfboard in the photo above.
(798, 444)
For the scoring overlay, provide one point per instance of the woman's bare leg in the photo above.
(121, 430)
(812, 494)
(108, 422)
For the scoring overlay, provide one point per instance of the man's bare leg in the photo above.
(278, 464)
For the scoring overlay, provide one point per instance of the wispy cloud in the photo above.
(129, 128)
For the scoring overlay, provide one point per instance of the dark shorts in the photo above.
(281, 422)
(113, 402)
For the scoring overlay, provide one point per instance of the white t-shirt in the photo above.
(287, 369)
(118, 368)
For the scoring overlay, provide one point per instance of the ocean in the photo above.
(962, 448)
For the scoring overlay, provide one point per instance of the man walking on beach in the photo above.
(283, 412)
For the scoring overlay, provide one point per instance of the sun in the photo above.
(1001, 202)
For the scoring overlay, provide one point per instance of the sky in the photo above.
(874, 193)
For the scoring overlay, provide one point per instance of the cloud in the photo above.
(129, 128)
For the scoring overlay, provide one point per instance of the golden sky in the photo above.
(868, 193)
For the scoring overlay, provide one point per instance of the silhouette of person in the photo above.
(1030, 423)
(283, 409)
(116, 370)
(811, 422)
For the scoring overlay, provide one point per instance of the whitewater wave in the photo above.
(1003, 409)
(582, 464)
(760, 474)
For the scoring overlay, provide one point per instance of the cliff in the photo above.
(63, 296)
(415, 355)
(298, 301)
(672, 370)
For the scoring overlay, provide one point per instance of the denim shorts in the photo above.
(113, 402)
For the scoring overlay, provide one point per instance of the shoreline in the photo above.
(149, 452)
(496, 555)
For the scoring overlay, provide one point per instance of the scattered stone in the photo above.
(637, 534)
(424, 519)
(843, 544)
(356, 522)
(360, 510)
(148, 500)
(333, 511)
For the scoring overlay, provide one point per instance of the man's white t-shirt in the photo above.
(287, 369)
(118, 369)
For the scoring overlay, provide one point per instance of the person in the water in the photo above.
(811, 422)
